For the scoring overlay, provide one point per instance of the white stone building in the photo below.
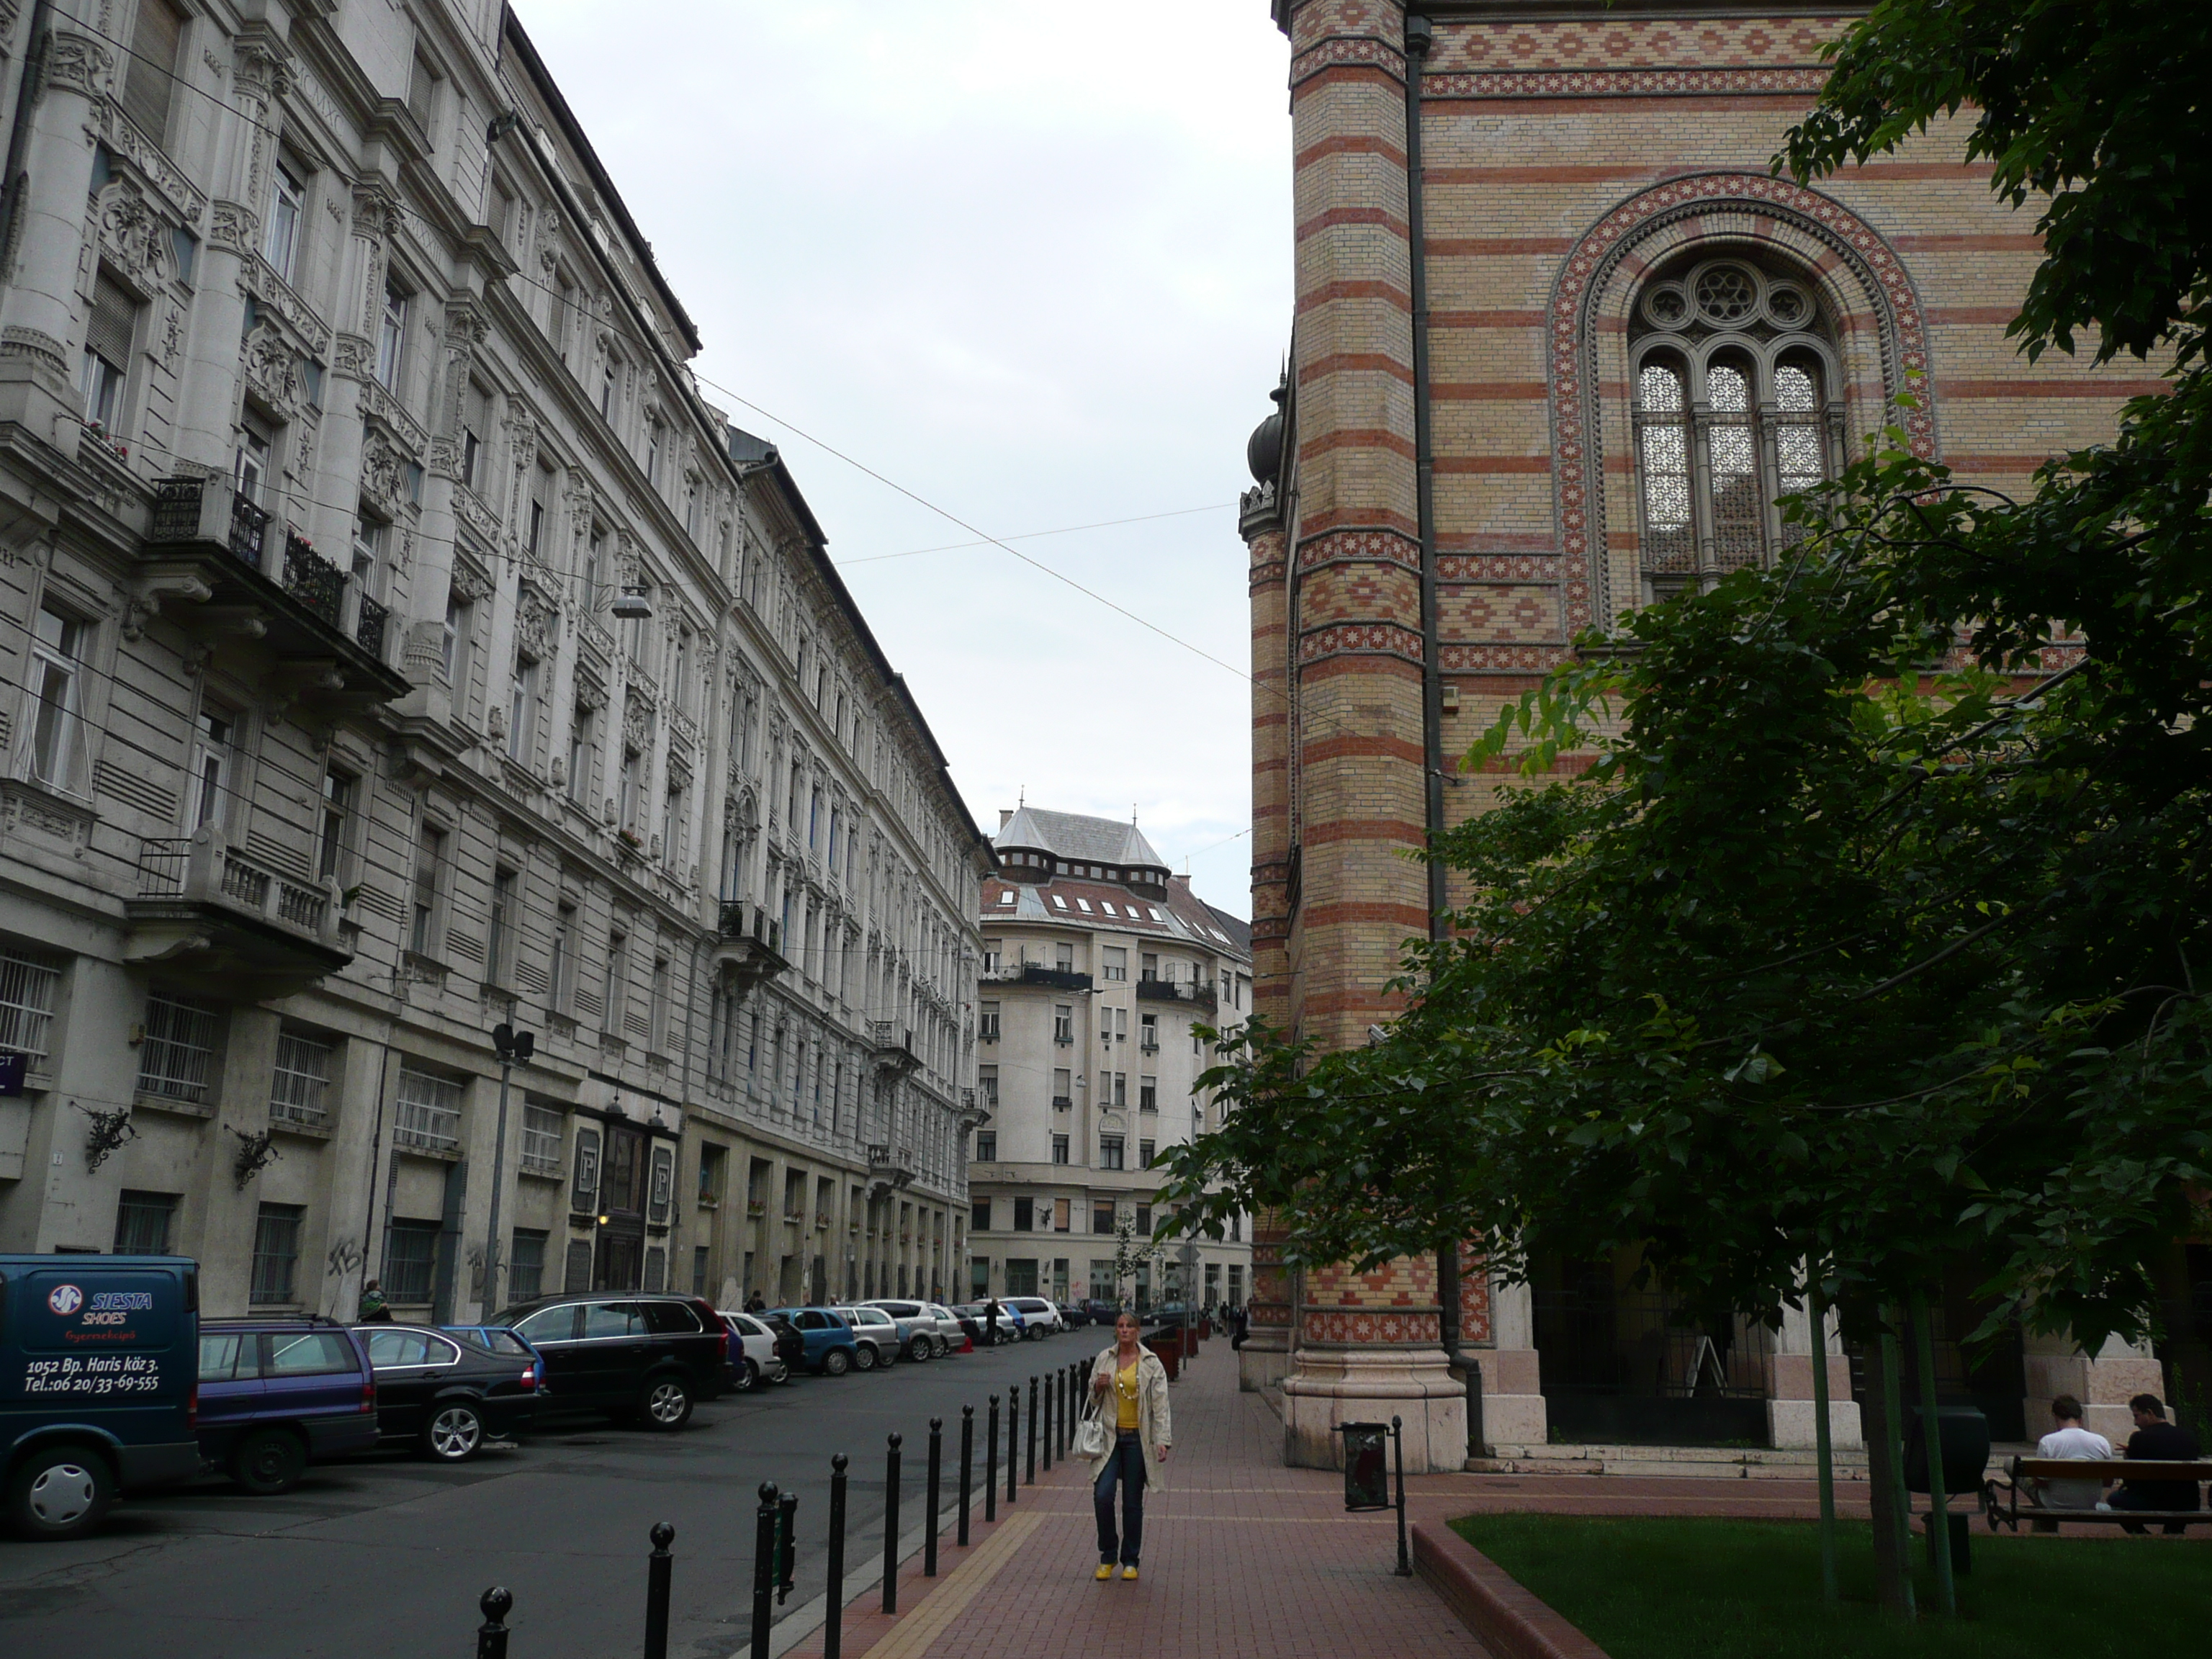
(1099, 966)
(394, 644)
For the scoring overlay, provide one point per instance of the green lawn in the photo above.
(1751, 1589)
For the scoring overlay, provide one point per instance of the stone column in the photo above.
(38, 302)
(1791, 1420)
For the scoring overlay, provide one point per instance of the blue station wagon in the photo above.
(277, 1394)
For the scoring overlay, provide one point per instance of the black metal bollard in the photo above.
(1051, 1392)
(764, 1566)
(787, 1546)
(1029, 1463)
(936, 1454)
(967, 1464)
(991, 1465)
(1013, 1441)
(890, 1524)
(833, 1628)
(491, 1635)
(659, 1568)
(1074, 1411)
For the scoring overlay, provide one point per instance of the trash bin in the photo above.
(1366, 1465)
(1962, 1561)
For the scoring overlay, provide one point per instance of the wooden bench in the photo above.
(2003, 1503)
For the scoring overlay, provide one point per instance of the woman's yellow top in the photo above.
(1125, 1396)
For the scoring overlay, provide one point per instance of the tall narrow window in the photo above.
(430, 867)
(557, 957)
(475, 428)
(522, 711)
(580, 753)
(150, 69)
(422, 97)
(275, 1252)
(57, 651)
(1739, 510)
(1662, 430)
(107, 338)
(541, 494)
(177, 1052)
(391, 336)
(281, 245)
(257, 450)
(499, 944)
(340, 790)
(211, 762)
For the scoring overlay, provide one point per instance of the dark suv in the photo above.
(648, 1356)
(277, 1395)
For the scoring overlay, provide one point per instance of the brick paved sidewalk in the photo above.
(1241, 1557)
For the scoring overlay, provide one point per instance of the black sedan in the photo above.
(446, 1393)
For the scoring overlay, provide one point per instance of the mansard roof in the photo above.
(1073, 838)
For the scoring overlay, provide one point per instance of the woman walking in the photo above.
(1128, 1380)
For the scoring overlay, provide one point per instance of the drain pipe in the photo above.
(1420, 37)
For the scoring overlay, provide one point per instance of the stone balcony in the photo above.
(890, 1165)
(224, 570)
(749, 943)
(892, 1046)
(204, 905)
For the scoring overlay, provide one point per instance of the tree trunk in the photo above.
(1892, 1570)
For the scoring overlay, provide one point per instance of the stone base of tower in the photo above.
(1264, 1360)
(1330, 1386)
(1513, 1414)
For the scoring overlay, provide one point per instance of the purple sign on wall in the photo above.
(13, 1068)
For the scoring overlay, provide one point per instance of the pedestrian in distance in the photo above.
(374, 1310)
(1128, 1380)
(991, 1320)
(756, 1304)
(2156, 1440)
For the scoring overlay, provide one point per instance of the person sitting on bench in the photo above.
(2071, 1440)
(2159, 1441)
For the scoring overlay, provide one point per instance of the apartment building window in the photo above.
(410, 1260)
(541, 494)
(476, 427)
(427, 1112)
(1063, 958)
(672, 824)
(1148, 1094)
(1063, 1023)
(453, 648)
(57, 651)
(1144, 1220)
(653, 446)
(526, 1265)
(522, 711)
(1062, 1088)
(287, 200)
(541, 1140)
(29, 984)
(1060, 1152)
(422, 97)
(1114, 962)
(1144, 1149)
(986, 1085)
(1121, 1025)
(392, 336)
(987, 1022)
(145, 1222)
(211, 756)
(1110, 1151)
(979, 1215)
(257, 450)
(617, 985)
(1021, 1276)
(176, 1055)
(1120, 1091)
(429, 877)
(657, 1026)
(150, 77)
(579, 753)
(607, 391)
(986, 1145)
(559, 954)
(275, 1252)
(1101, 1217)
(627, 795)
(107, 337)
(340, 790)
(300, 1090)
(1148, 967)
(1148, 1033)
(1025, 1215)
(499, 945)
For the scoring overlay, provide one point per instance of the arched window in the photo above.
(1735, 405)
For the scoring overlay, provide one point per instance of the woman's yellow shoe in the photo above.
(1105, 1571)
(1129, 1575)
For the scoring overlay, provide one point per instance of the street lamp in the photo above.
(513, 1048)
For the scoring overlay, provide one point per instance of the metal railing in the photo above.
(1196, 991)
(313, 579)
(743, 919)
(369, 630)
(1035, 973)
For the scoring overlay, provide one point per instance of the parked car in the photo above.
(753, 1358)
(1102, 1312)
(277, 1394)
(830, 1346)
(880, 1339)
(927, 1334)
(446, 1394)
(650, 1357)
(96, 1384)
(1010, 1322)
(950, 1328)
(790, 1346)
(1073, 1316)
(1040, 1318)
(500, 1339)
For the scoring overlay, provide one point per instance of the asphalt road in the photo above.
(385, 1558)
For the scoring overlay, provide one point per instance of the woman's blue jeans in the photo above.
(1126, 1464)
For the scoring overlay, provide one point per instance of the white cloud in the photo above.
(1032, 263)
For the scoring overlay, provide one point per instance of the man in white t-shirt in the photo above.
(2070, 1440)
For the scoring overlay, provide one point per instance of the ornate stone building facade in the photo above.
(1099, 966)
(397, 646)
(1620, 337)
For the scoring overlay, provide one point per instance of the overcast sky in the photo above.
(1032, 263)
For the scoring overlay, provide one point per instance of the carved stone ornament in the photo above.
(383, 472)
(591, 695)
(353, 357)
(472, 581)
(635, 708)
(75, 63)
(495, 723)
(234, 228)
(135, 239)
(272, 369)
(535, 624)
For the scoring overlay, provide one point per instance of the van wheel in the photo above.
(835, 1363)
(863, 1356)
(667, 1404)
(268, 1462)
(454, 1433)
(59, 1492)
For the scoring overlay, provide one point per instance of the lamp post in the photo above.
(513, 1047)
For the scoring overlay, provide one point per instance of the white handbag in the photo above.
(1091, 1438)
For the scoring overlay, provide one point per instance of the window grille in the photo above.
(428, 1117)
(176, 1060)
(275, 1252)
(411, 1259)
(300, 1092)
(28, 986)
(541, 1140)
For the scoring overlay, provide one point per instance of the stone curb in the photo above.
(1505, 1617)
